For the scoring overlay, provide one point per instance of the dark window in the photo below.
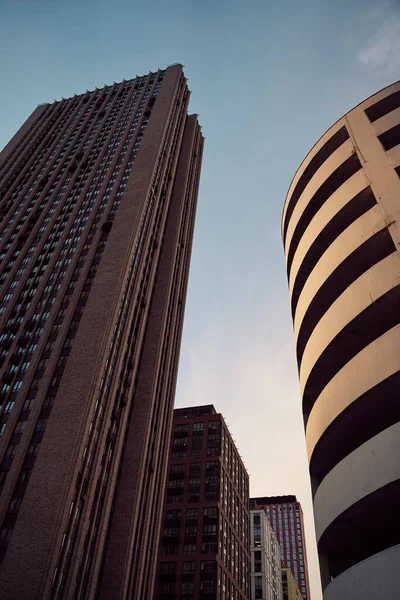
(172, 514)
(195, 467)
(192, 513)
(257, 561)
(188, 567)
(211, 512)
(208, 566)
(178, 468)
(180, 428)
(169, 549)
(258, 592)
(168, 567)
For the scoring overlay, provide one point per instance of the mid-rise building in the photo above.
(266, 574)
(289, 586)
(97, 206)
(204, 543)
(341, 232)
(286, 518)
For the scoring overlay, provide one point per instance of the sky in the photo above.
(267, 79)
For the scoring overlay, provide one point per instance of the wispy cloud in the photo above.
(382, 49)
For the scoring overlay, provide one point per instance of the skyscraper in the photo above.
(204, 544)
(341, 234)
(286, 518)
(265, 572)
(98, 200)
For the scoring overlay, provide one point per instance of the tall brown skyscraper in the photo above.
(286, 518)
(98, 200)
(204, 551)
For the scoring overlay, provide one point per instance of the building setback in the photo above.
(341, 234)
(204, 543)
(266, 575)
(286, 518)
(97, 208)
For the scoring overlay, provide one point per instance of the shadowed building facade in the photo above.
(97, 208)
(204, 551)
(341, 232)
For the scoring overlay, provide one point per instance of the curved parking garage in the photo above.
(341, 232)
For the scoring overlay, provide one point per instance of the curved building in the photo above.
(341, 232)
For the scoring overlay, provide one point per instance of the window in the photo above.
(187, 586)
(212, 450)
(33, 449)
(258, 592)
(192, 513)
(11, 450)
(180, 428)
(17, 386)
(188, 567)
(168, 567)
(191, 530)
(178, 468)
(211, 512)
(208, 566)
(19, 426)
(174, 498)
(173, 483)
(48, 402)
(212, 466)
(24, 476)
(172, 514)
(189, 548)
(257, 561)
(171, 531)
(198, 426)
(176, 454)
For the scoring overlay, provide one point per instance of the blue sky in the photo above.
(268, 78)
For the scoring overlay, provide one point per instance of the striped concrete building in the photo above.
(341, 233)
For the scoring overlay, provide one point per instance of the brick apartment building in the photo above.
(98, 195)
(204, 544)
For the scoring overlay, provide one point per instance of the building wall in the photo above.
(98, 202)
(266, 576)
(375, 577)
(341, 232)
(286, 519)
(204, 543)
(289, 586)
